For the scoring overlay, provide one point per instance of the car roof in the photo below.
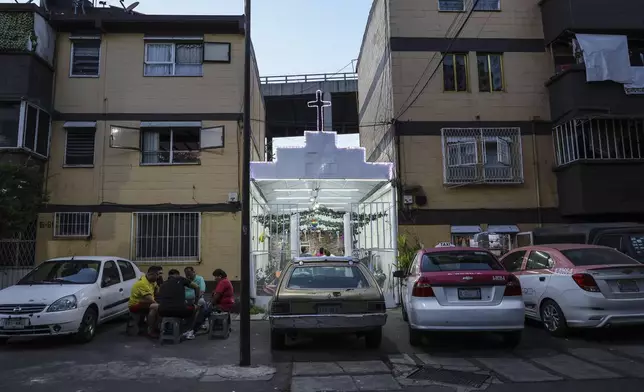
(452, 249)
(91, 258)
(326, 258)
(561, 247)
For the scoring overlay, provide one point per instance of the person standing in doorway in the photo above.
(320, 252)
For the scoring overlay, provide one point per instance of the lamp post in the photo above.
(244, 330)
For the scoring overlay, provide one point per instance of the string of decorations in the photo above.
(325, 219)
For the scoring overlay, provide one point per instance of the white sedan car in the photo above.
(461, 290)
(67, 296)
(578, 286)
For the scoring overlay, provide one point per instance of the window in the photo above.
(170, 145)
(76, 271)
(455, 72)
(85, 57)
(459, 5)
(462, 239)
(482, 155)
(23, 125)
(539, 260)
(216, 52)
(126, 270)
(599, 139)
(79, 146)
(169, 236)
(72, 224)
(596, 256)
(332, 277)
(173, 59)
(110, 274)
(513, 261)
(9, 123)
(612, 241)
(459, 261)
(490, 71)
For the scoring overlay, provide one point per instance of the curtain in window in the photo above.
(159, 59)
(189, 59)
(150, 147)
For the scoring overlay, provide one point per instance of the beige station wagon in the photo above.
(327, 295)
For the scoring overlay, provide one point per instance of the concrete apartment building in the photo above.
(507, 134)
(137, 121)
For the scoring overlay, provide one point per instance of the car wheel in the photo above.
(87, 329)
(415, 337)
(553, 318)
(512, 339)
(404, 313)
(278, 340)
(374, 338)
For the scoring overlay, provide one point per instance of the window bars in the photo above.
(482, 155)
(72, 224)
(167, 236)
(599, 139)
(18, 251)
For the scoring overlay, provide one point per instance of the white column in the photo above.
(328, 113)
(295, 235)
(348, 235)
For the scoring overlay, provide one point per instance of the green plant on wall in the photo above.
(17, 31)
(407, 250)
(21, 197)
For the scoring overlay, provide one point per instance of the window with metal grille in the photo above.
(460, 5)
(85, 58)
(167, 236)
(482, 155)
(490, 72)
(72, 224)
(79, 146)
(599, 139)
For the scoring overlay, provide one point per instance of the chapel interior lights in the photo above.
(321, 190)
(319, 197)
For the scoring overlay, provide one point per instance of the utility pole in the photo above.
(244, 330)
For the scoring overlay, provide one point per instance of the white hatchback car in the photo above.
(67, 296)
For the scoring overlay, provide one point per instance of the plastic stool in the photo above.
(135, 321)
(219, 326)
(170, 330)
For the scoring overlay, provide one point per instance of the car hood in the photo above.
(38, 293)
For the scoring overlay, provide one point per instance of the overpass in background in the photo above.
(287, 113)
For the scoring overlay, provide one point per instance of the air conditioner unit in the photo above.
(232, 197)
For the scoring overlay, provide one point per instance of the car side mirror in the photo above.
(400, 274)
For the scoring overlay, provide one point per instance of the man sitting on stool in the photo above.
(223, 300)
(172, 296)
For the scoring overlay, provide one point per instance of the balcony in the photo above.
(571, 97)
(588, 16)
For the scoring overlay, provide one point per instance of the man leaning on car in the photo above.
(142, 297)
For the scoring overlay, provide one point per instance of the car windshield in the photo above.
(596, 256)
(331, 277)
(459, 261)
(64, 272)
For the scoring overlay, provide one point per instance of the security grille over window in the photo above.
(72, 224)
(599, 139)
(462, 5)
(167, 236)
(17, 256)
(482, 155)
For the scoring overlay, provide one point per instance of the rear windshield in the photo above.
(319, 277)
(596, 256)
(459, 261)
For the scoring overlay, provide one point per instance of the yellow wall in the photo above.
(117, 176)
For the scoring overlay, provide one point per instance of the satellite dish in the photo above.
(132, 6)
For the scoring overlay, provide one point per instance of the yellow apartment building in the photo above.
(466, 102)
(144, 146)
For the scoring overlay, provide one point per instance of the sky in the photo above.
(290, 36)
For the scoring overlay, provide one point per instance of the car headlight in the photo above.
(65, 303)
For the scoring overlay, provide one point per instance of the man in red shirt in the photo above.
(223, 299)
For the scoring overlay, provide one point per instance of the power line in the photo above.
(460, 30)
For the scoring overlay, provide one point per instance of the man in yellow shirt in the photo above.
(142, 297)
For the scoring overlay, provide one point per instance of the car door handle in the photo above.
(542, 278)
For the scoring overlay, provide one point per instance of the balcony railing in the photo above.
(311, 78)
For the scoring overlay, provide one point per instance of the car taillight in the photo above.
(513, 287)
(280, 307)
(586, 282)
(422, 288)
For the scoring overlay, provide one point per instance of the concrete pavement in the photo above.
(114, 361)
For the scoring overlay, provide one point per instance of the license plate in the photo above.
(469, 293)
(628, 286)
(328, 309)
(15, 323)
